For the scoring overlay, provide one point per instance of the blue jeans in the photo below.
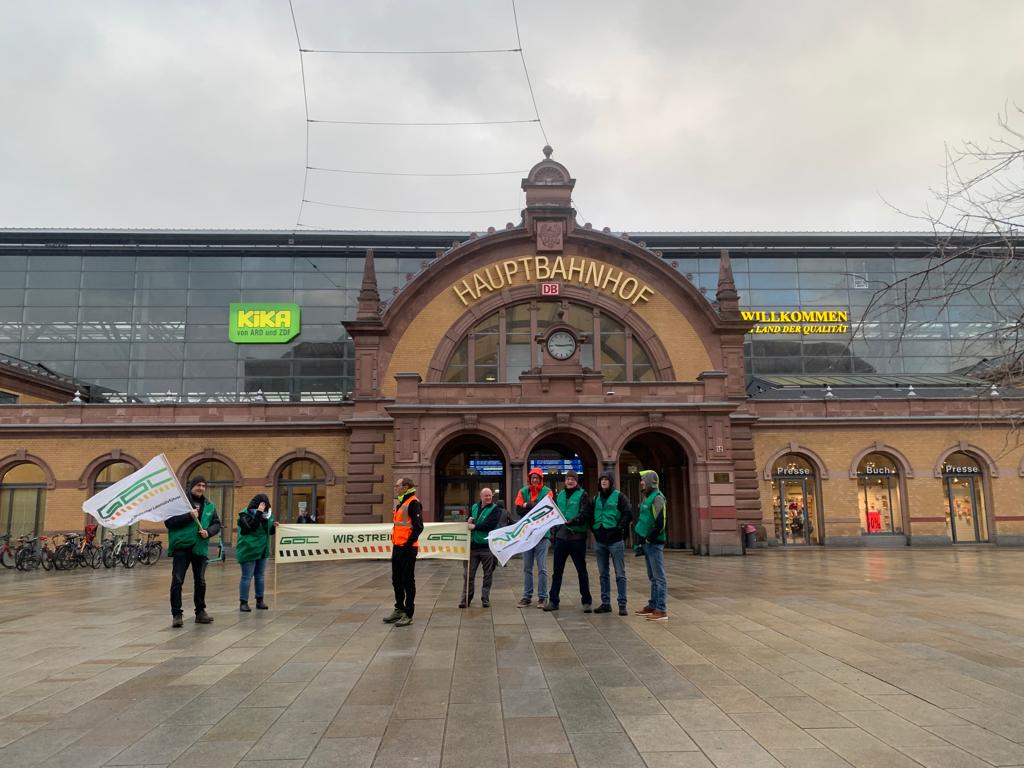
(539, 556)
(655, 556)
(617, 552)
(253, 567)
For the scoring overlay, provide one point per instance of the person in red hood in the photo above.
(527, 499)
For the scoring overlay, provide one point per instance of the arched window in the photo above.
(965, 499)
(300, 489)
(794, 498)
(501, 346)
(106, 477)
(22, 500)
(220, 489)
(878, 495)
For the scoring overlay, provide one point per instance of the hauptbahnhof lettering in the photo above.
(317, 366)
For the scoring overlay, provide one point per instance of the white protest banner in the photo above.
(519, 537)
(151, 493)
(372, 541)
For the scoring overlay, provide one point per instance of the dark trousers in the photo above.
(479, 556)
(577, 550)
(181, 559)
(403, 578)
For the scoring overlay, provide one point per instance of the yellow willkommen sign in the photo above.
(312, 543)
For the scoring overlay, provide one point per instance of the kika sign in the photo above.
(264, 323)
(546, 271)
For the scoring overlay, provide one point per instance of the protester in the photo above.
(188, 544)
(611, 515)
(407, 525)
(571, 540)
(527, 499)
(255, 527)
(483, 518)
(652, 534)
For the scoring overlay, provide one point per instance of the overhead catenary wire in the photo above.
(526, 71)
(395, 210)
(428, 175)
(408, 53)
(305, 104)
(384, 122)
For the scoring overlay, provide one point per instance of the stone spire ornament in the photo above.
(726, 295)
(369, 296)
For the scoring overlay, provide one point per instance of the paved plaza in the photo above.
(806, 659)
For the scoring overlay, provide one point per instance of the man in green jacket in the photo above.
(188, 544)
(651, 534)
(483, 518)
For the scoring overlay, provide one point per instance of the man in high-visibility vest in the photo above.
(651, 535)
(406, 527)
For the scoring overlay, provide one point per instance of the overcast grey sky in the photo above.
(686, 115)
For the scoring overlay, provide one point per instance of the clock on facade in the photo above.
(561, 345)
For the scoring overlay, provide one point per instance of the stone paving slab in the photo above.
(801, 659)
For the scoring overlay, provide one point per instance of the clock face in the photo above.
(561, 345)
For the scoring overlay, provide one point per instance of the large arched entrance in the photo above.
(464, 465)
(663, 454)
(556, 454)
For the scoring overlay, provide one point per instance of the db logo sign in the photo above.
(550, 289)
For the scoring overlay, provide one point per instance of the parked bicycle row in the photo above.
(67, 551)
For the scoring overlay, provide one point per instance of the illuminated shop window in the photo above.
(964, 499)
(794, 500)
(501, 346)
(878, 495)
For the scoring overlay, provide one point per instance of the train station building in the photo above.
(315, 367)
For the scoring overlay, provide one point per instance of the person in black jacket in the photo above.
(406, 527)
(611, 515)
(571, 541)
(188, 544)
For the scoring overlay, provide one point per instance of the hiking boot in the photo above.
(657, 616)
(603, 608)
(202, 617)
(243, 606)
(404, 621)
(485, 603)
(550, 607)
(178, 622)
(587, 608)
(623, 611)
(524, 602)
(644, 611)
(395, 616)
(260, 605)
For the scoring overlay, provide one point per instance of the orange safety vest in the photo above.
(401, 525)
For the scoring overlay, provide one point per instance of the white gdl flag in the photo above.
(152, 493)
(519, 537)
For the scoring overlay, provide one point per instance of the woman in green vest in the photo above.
(188, 545)
(252, 548)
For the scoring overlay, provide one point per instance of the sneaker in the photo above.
(179, 622)
(405, 621)
(644, 611)
(549, 607)
(524, 602)
(623, 611)
(485, 603)
(204, 618)
(603, 608)
(260, 605)
(587, 608)
(243, 606)
(393, 617)
(657, 616)
(541, 604)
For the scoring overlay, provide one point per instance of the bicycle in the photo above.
(7, 552)
(110, 552)
(152, 550)
(28, 556)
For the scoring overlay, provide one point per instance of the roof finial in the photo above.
(547, 151)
